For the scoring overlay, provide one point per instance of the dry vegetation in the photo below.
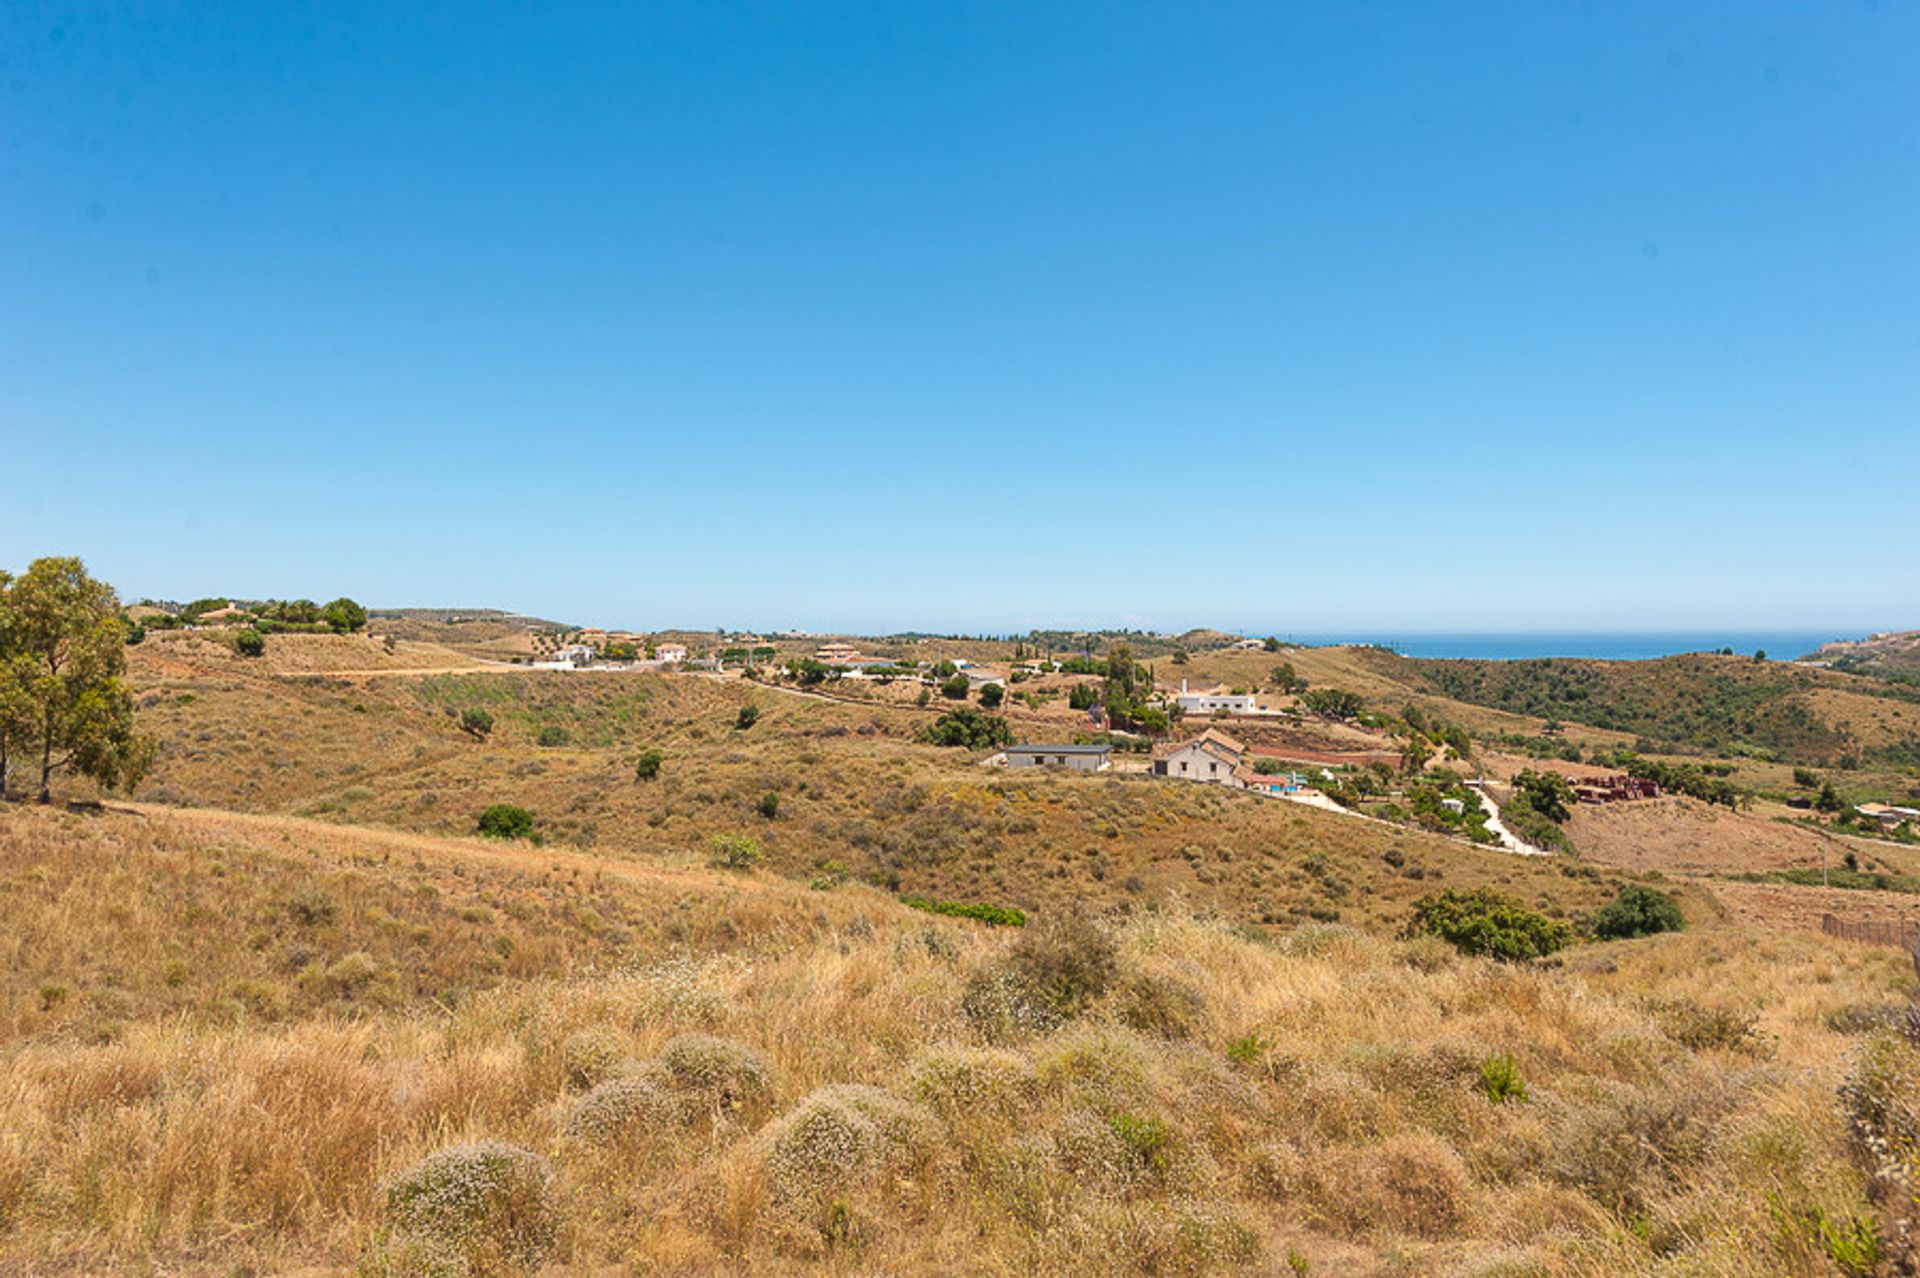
(739, 1075)
(854, 791)
(299, 1021)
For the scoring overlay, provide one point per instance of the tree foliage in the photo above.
(344, 615)
(968, 729)
(506, 821)
(63, 692)
(1548, 793)
(1637, 911)
(476, 723)
(1488, 923)
(1334, 703)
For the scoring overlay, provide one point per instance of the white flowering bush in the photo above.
(717, 1072)
(623, 1111)
(480, 1209)
(589, 1056)
(961, 1082)
(840, 1136)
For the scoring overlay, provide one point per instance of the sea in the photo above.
(1779, 645)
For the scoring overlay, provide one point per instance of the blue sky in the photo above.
(1306, 317)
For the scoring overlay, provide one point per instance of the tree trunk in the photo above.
(46, 763)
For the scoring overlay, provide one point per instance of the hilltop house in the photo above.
(571, 657)
(670, 652)
(1078, 758)
(1212, 756)
(1890, 817)
(835, 653)
(1216, 702)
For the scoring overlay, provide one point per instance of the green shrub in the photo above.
(1548, 793)
(480, 1208)
(748, 716)
(770, 805)
(249, 642)
(476, 723)
(647, 767)
(998, 915)
(553, 735)
(1500, 1079)
(734, 851)
(1637, 911)
(506, 821)
(956, 688)
(968, 729)
(1485, 922)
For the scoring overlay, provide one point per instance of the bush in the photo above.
(769, 805)
(623, 1110)
(717, 1072)
(840, 1136)
(648, 765)
(250, 643)
(748, 716)
(505, 821)
(1637, 911)
(476, 723)
(998, 915)
(1488, 923)
(991, 695)
(1881, 1101)
(590, 1056)
(1548, 793)
(968, 729)
(475, 1208)
(1053, 973)
(553, 735)
(956, 688)
(734, 851)
(1500, 1080)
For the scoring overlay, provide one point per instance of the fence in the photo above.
(1904, 933)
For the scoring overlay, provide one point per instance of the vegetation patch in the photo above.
(998, 915)
(1485, 922)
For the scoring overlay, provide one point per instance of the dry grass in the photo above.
(853, 788)
(816, 1096)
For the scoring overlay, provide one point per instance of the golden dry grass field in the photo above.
(286, 1014)
(227, 1036)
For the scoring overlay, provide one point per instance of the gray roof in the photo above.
(1059, 749)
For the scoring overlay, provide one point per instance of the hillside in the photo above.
(1893, 655)
(1210, 1104)
(853, 790)
(1700, 702)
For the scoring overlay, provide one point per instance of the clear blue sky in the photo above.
(1291, 317)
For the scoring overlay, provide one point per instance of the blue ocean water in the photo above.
(1780, 645)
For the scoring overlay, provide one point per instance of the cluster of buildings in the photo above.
(1213, 758)
(1613, 789)
(1890, 816)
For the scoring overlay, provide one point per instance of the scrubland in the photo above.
(680, 1070)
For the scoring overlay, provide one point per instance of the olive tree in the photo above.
(63, 693)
